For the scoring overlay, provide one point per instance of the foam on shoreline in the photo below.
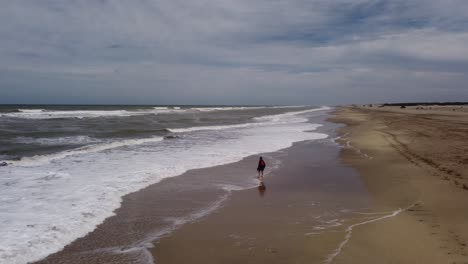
(349, 231)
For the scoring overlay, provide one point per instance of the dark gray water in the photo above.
(28, 130)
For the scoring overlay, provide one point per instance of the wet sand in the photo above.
(151, 213)
(299, 215)
(299, 218)
(409, 156)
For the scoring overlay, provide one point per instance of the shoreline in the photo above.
(369, 200)
(160, 209)
(406, 221)
(301, 218)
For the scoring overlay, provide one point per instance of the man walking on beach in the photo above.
(261, 167)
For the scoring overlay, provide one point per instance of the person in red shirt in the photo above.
(261, 167)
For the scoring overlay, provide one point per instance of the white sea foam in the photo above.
(31, 110)
(48, 201)
(209, 109)
(53, 141)
(42, 159)
(357, 150)
(286, 116)
(231, 187)
(53, 114)
(190, 129)
(260, 121)
(226, 108)
(349, 231)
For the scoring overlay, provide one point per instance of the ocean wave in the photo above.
(284, 117)
(227, 108)
(260, 121)
(55, 114)
(55, 141)
(72, 192)
(31, 110)
(198, 128)
(230, 108)
(42, 159)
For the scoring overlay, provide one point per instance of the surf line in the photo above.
(349, 231)
(347, 144)
(357, 150)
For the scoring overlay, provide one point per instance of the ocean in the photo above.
(65, 169)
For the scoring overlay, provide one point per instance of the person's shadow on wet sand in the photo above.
(261, 188)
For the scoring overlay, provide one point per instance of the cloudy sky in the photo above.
(233, 52)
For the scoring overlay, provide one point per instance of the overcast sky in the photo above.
(233, 52)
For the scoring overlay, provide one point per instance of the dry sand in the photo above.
(409, 156)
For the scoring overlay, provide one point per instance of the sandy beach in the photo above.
(415, 159)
